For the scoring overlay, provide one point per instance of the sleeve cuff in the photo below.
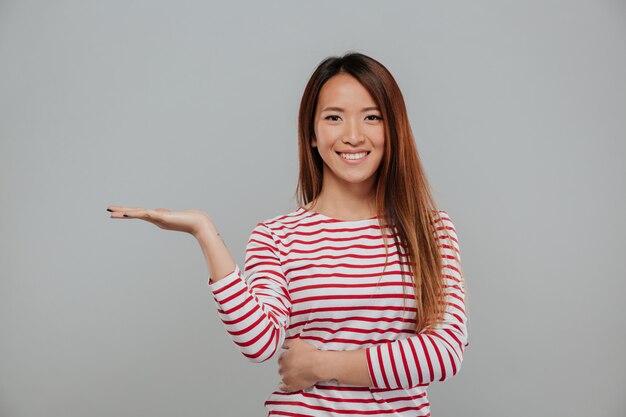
(228, 279)
(370, 354)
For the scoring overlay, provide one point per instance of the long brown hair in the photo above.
(404, 201)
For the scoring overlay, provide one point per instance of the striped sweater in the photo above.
(324, 280)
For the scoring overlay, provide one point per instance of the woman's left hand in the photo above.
(296, 366)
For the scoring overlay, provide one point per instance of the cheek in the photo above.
(325, 139)
(376, 134)
(323, 132)
(379, 136)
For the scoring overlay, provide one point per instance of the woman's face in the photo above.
(349, 131)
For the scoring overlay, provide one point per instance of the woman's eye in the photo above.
(334, 117)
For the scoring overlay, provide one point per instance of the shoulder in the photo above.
(441, 218)
(283, 219)
(283, 224)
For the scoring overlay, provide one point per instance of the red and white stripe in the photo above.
(321, 279)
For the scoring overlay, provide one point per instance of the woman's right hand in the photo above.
(189, 221)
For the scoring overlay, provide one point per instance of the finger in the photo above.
(119, 212)
(142, 214)
(130, 214)
(149, 214)
(123, 208)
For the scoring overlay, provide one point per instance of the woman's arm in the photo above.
(429, 356)
(254, 310)
(303, 365)
(390, 369)
(253, 305)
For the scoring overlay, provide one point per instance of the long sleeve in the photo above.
(255, 306)
(435, 354)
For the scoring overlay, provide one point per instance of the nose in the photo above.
(353, 132)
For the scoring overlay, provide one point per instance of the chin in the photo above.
(352, 180)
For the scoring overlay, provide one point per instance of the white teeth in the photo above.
(353, 155)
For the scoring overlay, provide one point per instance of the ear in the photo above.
(313, 142)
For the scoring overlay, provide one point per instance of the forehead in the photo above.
(344, 90)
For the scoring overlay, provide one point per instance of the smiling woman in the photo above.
(361, 284)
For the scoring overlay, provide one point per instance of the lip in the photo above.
(357, 151)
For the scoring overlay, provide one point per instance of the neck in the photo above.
(343, 200)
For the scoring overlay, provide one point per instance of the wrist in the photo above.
(206, 230)
(322, 367)
(343, 366)
(218, 259)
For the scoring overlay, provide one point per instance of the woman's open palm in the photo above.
(189, 221)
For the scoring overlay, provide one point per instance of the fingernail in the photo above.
(125, 215)
(110, 210)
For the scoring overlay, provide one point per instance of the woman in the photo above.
(362, 283)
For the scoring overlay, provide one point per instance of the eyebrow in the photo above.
(340, 109)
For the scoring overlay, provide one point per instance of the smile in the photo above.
(353, 156)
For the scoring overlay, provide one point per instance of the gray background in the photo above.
(518, 109)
